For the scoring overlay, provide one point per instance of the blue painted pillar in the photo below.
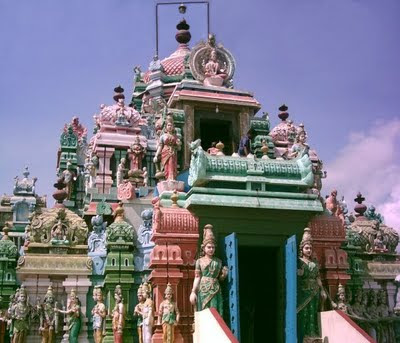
(291, 290)
(231, 250)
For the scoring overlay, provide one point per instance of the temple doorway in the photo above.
(214, 130)
(259, 294)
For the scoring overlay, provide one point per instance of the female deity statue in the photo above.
(20, 313)
(118, 315)
(48, 318)
(300, 148)
(73, 312)
(167, 149)
(138, 311)
(206, 291)
(214, 74)
(168, 315)
(147, 313)
(138, 152)
(98, 315)
(309, 290)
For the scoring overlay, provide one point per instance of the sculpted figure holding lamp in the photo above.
(73, 313)
(206, 291)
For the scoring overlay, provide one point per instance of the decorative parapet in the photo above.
(327, 228)
(204, 168)
(181, 221)
(383, 270)
(57, 226)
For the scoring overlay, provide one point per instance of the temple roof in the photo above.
(174, 64)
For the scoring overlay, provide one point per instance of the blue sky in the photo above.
(334, 63)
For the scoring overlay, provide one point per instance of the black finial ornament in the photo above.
(283, 113)
(183, 35)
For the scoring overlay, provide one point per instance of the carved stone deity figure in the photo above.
(20, 314)
(138, 152)
(214, 73)
(118, 315)
(341, 299)
(300, 148)
(168, 315)
(97, 238)
(147, 313)
(48, 318)
(332, 204)
(121, 119)
(69, 178)
(167, 151)
(309, 291)
(121, 171)
(206, 291)
(59, 234)
(379, 244)
(73, 313)
(138, 312)
(90, 173)
(145, 177)
(386, 318)
(98, 316)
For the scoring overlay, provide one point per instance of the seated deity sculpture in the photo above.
(58, 234)
(214, 74)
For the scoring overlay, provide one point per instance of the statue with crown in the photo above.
(206, 291)
(309, 292)
(20, 314)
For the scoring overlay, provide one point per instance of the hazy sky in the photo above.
(333, 62)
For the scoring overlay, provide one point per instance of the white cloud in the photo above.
(370, 163)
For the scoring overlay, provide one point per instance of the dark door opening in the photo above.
(258, 294)
(214, 130)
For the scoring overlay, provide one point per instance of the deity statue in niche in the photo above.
(309, 291)
(147, 313)
(213, 71)
(20, 314)
(138, 152)
(59, 234)
(379, 244)
(48, 317)
(138, 312)
(118, 315)
(167, 151)
(206, 291)
(168, 315)
(74, 315)
(121, 171)
(98, 316)
(69, 179)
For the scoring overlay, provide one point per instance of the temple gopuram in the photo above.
(165, 217)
